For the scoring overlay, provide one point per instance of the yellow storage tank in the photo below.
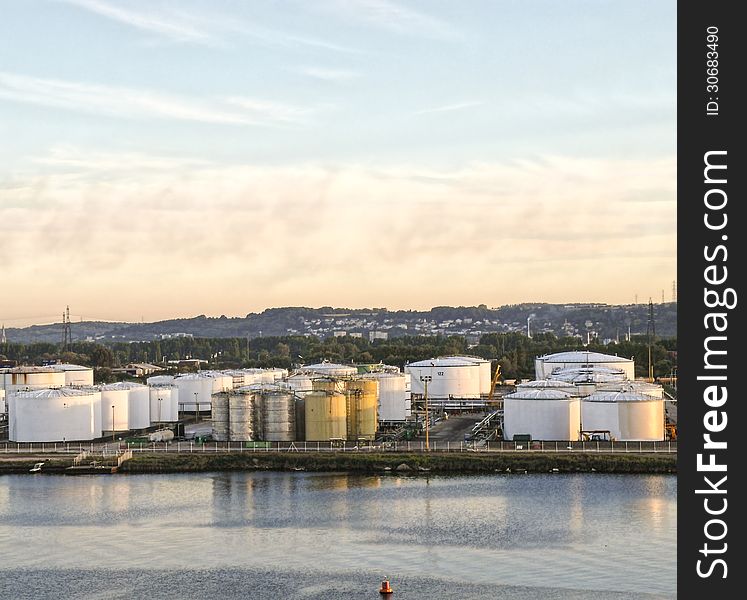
(362, 408)
(327, 384)
(326, 416)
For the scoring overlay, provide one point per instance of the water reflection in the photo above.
(590, 531)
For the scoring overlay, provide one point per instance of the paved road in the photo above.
(453, 429)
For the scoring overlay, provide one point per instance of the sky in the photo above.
(163, 158)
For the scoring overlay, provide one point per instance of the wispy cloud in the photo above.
(327, 74)
(136, 103)
(286, 234)
(168, 25)
(449, 107)
(208, 28)
(393, 16)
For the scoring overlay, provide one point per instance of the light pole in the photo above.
(425, 379)
(197, 409)
(159, 408)
(112, 422)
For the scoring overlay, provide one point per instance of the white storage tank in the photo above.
(588, 380)
(75, 374)
(486, 377)
(252, 376)
(628, 416)
(160, 380)
(32, 378)
(115, 408)
(164, 403)
(196, 389)
(544, 366)
(277, 373)
(328, 369)
(553, 384)
(449, 378)
(138, 402)
(641, 387)
(54, 415)
(237, 376)
(393, 396)
(545, 414)
(300, 383)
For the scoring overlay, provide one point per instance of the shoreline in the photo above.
(401, 463)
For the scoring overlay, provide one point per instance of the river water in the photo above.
(334, 536)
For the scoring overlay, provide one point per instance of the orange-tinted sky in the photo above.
(224, 159)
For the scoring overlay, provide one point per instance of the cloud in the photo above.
(556, 228)
(394, 17)
(327, 74)
(208, 28)
(167, 25)
(449, 107)
(133, 103)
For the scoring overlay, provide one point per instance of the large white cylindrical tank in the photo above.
(544, 414)
(237, 376)
(393, 397)
(115, 408)
(54, 415)
(251, 376)
(628, 416)
(640, 387)
(160, 380)
(75, 375)
(544, 366)
(138, 402)
(327, 369)
(588, 380)
(196, 391)
(486, 377)
(278, 373)
(19, 379)
(164, 403)
(300, 383)
(449, 378)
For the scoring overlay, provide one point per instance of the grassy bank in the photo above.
(451, 463)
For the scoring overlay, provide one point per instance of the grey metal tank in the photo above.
(278, 416)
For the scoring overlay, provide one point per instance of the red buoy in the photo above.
(386, 588)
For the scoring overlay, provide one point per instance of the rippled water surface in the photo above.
(303, 535)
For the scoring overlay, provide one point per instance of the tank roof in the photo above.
(56, 392)
(612, 396)
(589, 375)
(545, 383)
(581, 356)
(123, 385)
(446, 361)
(540, 394)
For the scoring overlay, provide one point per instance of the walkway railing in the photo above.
(404, 446)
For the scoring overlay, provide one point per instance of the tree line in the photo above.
(514, 352)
